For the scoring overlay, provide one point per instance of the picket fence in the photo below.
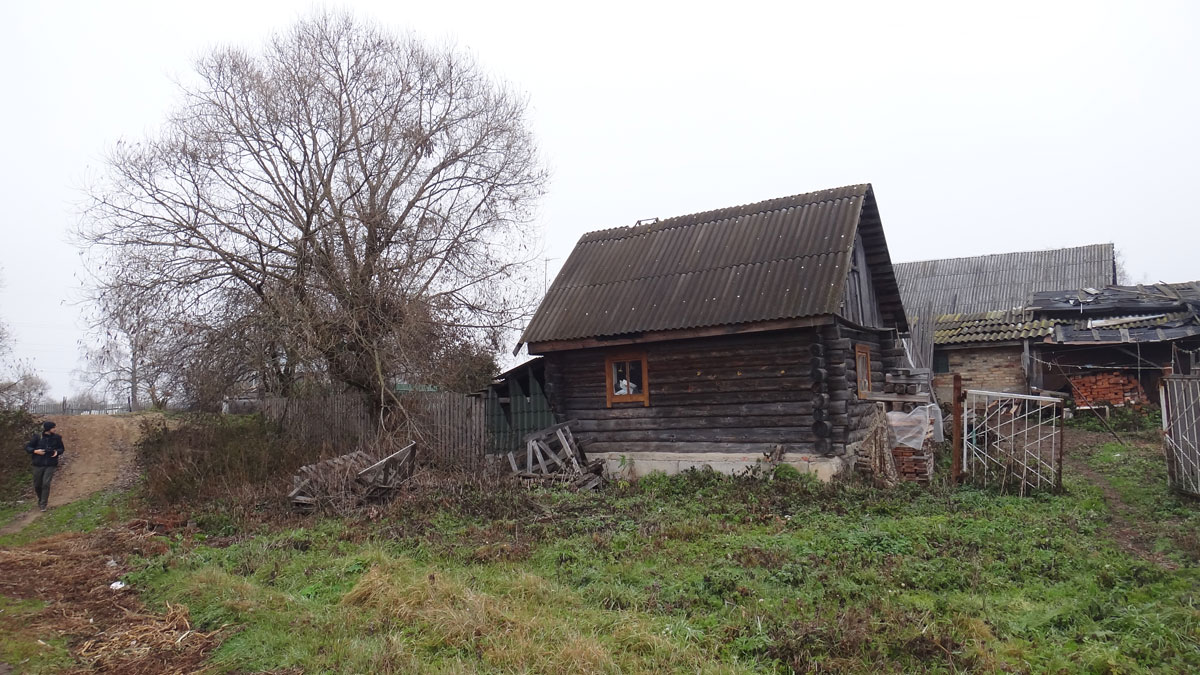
(449, 428)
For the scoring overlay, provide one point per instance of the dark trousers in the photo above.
(42, 475)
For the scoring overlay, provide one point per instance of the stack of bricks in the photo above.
(914, 466)
(1113, 388)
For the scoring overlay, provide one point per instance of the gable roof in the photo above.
(1002, 281)
(784, 258)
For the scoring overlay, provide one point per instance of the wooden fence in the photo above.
(449, 428)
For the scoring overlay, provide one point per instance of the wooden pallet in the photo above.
(552, 456)
(353, 477)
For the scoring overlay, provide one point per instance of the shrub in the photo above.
(208, 456)
(16, 426)
(1144, 417)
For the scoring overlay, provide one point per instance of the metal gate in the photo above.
(1180, 412)
(1012, 440)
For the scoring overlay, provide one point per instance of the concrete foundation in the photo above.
(637, 464)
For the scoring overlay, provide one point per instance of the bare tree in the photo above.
(349, 197)
(20, 386)
(22, 392)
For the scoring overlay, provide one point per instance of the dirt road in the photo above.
(100, 453)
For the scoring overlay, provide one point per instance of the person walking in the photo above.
(45, 448)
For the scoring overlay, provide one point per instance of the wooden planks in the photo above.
(352, 478)
(552, 456)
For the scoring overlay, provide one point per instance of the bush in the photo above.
(209, 456)
(1145, 417)
(16, 427)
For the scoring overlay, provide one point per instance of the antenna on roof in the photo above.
(646, 221)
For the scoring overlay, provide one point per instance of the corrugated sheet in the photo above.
(1000, 282)
(999, 326)
(778, 259)
(1143, 313)
(1099, 300)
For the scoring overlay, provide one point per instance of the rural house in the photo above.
(718, 338)
(981, 327)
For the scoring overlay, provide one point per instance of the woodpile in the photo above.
(351, 479)
(1113, 388)
(553, 457)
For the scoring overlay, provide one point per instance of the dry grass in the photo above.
(107, 630)
(521, 623)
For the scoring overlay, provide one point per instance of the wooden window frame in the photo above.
(642, 397)
(862, 369)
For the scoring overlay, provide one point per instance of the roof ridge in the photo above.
(996, 255)
(726, 213)
(699, 271)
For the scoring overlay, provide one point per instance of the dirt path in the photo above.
(100, 454)
(1123, 527)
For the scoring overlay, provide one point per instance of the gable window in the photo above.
(626, 379)
(862, 367)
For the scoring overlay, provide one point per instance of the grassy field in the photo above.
(703, 573)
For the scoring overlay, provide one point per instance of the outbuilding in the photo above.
(725, 337)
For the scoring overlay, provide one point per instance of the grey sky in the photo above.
(984, 129)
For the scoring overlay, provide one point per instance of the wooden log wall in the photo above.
(754, 393)
(736, 394)
(840, 339)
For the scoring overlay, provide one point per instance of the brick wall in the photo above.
(1112, 387)
(986, 368)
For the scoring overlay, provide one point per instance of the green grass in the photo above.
(24, 651)
(85, 515)
(1137, 471)
(695, 573)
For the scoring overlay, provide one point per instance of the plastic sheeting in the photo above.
(911, 429)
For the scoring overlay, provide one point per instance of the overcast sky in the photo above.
(1023, 126)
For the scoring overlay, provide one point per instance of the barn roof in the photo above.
(784, 258)
(1002, 281)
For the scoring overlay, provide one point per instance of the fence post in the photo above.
(956, 451)
(1058, 459)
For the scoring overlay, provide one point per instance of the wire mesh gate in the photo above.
(1012, 440)
(1181, 438)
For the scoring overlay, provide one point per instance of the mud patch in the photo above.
(106, 630)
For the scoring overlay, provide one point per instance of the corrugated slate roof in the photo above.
(778, 259)
(1143, 298)
(1142, 313)
(1002, 281)
(999, 326)
(1162, 328)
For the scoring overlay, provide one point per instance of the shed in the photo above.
(719, 337)
(1112, 344)
(981, 327)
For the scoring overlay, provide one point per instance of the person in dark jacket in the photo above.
(45, 448)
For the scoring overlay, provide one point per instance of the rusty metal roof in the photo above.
(998, 326)
(1000, 282)
(778, 259)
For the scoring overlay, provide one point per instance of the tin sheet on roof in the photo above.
(778, 259)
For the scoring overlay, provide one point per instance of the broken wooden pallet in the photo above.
(552, 456)
(354, 477)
